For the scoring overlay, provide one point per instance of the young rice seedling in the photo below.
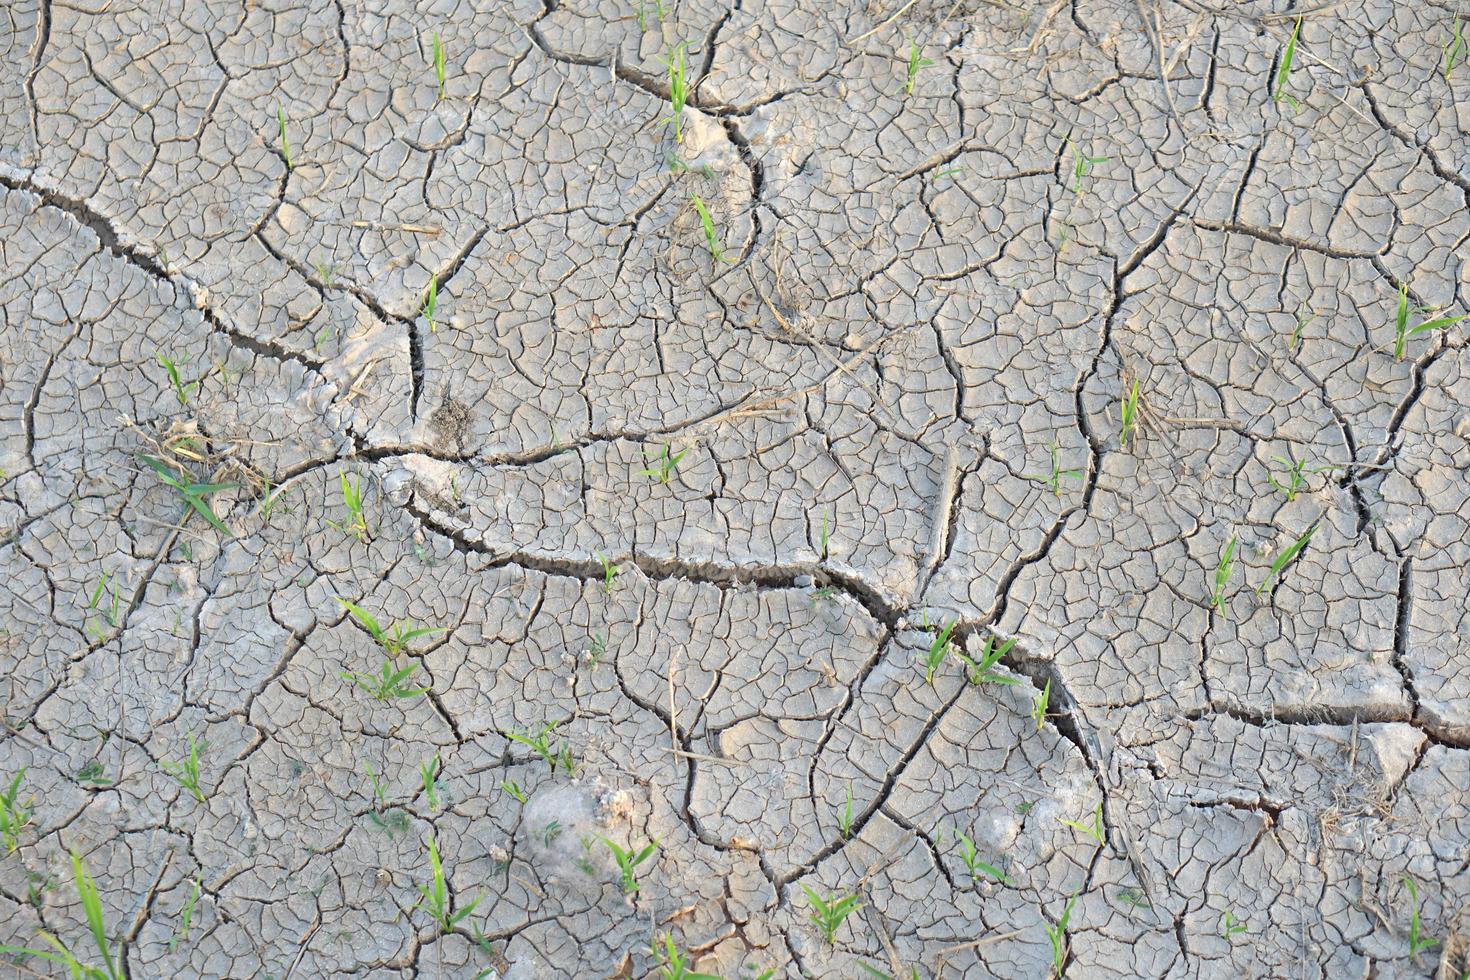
(390, 683)
(1128, 415)
(665, 463)
(15, 813)
(1283, 70)
(1094, 829)
(829, 913)
(191, 493)
(1223, 569)
(1053, 480)
(186, 918)
(285, 143)
(1040, 704)
(1231, 926)
(1418, 942)
(711, 234)
(983, 670)
(356, 522)
(439, 63)
(677, 64)
(61, 954)
(1297, 472)
(1057, 936)
(939, 648)
(1082, 165)
(395, 639)
(436, 899)
(628, 861)
(1285, 558)
(186, 773)
(1454, 49)
(971, 856)
(673, 964)
(1402, 331)
(917, 63)
(171, 368)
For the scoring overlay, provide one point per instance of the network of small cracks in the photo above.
(1063, 717)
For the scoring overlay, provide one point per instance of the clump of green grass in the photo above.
(1418, 942)
(1053, 480)
(285, 143)
(982, 671)
(673, 964)
(187, 773)
(1286, 557)
(390, 683)
(428, 775)
(845, 817)
(1057, 936)
(430, 304)
(1128, 416)
(182, 391)
(829, 913)
(393, 639)
(186, 918)
(1454, 48)
(711, 235)
(1231, 926)
(436, 899)
(60, 954)
(15, 813)
(916, 64)
(1082, 165)
(192, 494)
(111, 613)
(1094, 829)
(1283, 70)
(677, 64)
(554, 755)
(1297, 473)
(438, 56)
(1402, 331)
(356, 523)
(643, 7)
(939, 649)
(666, 461)
(610, 572)
(628, 860)
(1040, 704)
(971, 856)
(1223, 570)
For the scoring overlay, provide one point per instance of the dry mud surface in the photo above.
(898, 403)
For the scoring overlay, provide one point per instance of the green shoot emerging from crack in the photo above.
(439, 63)
(388, 684)
(677, 63)
(269, 497)
(186, 773)
(436, 899)
(873, 971)
(1454, 49)
(428, 774)
(1402, 331)
(1128, 415)
(356, 523)
(514, 791)
(829, 913)
(711, 235)
(1283, 71)
(674, 965)
(60, 953)
(1223, 569)
(971, 857)
(643, 6)
(939, 648)
(1286, 557)
(628, 861)
(844, 818)
(1082, 165)
(917, 63)
(1040, 704)
(983, 670)
(1057, 936)
(393, 640)
(15, 813)
(1418, 942)
(1297, 472)
(1231, 926)
(186, 918)
(171, 368)
(610, 572)
(665, 462)
(431, 304)
(541, 744)
(111, 612)
(191, 493)
(1053, 480)
(1303, 317)
(285, 143)
(1094, 829)
(825, 538)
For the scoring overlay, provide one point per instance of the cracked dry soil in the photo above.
(691, 503)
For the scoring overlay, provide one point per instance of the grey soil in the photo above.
(898, 400)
